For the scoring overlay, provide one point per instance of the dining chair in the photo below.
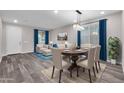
(57, 61)
(89, 63)
(96, 57)
(84, 46)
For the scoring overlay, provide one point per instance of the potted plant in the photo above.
(114, 47)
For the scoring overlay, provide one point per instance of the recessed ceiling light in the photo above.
(56, 11)
(102, 12)
(15, 21)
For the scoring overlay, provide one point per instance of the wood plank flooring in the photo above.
(27, 68)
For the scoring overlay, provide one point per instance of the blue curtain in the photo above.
(35, 38)
(102, 39)
(78, 38)
(46, 37)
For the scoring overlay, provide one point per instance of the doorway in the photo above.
(13, 39)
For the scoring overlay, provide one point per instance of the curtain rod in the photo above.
(91, 22)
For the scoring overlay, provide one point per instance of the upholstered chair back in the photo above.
(57, 58)
(73, 46)
(91, 54)
(97, 53)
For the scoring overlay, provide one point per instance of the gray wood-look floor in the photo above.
(27, 68)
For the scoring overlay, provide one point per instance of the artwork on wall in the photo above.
(62, 36)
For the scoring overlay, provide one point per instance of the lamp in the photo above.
(66, 44)
(77, 25)
(51, 43)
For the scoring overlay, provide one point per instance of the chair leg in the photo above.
(96, 67)
(94, 72)
(60, 76)
(89, 75)
(77, 71)
(71, 73)
(99, 65)
(53, 71)
(83, 69)
(69, 59)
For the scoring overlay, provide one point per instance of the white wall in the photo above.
(27, 38)
(68, 29)
(114, 25)
(0, 39)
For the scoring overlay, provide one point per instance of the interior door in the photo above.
(13, 39)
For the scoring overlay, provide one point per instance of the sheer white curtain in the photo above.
(90, 35)
(41, 37)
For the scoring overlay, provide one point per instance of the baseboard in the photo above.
(27, 52)
(117, 63)
(20, 52)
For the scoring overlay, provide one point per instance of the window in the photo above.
(41, 37)
(90, 35)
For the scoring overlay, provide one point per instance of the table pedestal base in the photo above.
(74, 64)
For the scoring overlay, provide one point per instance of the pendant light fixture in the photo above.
(77, 25)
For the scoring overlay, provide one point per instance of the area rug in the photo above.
(83, 76)
(43, 57)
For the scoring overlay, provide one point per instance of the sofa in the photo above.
(44, 49)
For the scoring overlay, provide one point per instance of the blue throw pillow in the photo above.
(55, 45)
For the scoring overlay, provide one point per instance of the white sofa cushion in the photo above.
(40, 45)
(45, 46)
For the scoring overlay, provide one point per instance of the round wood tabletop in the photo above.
(75, 52)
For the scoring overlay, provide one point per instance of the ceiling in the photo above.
(47, 19)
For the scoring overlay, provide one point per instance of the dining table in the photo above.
(74, 56)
